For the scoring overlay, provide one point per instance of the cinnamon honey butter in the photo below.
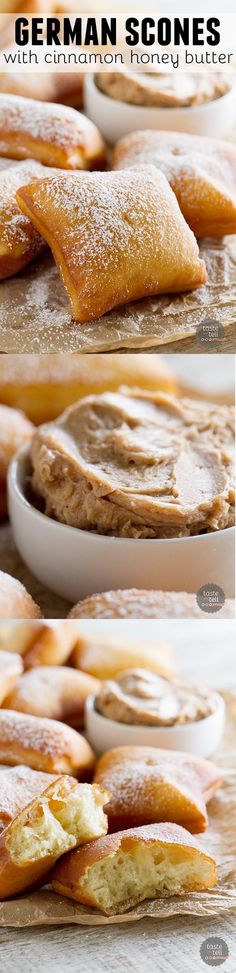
(157, 90)
(137, 465)
(139, 697)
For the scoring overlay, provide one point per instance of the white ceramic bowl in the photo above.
(117, 118)
(202, 737)
(75, 563)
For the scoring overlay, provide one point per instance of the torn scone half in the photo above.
(115, 236)
(117, 872)
(65, 815)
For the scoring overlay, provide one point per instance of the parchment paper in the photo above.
(47, 908)
(35, 315)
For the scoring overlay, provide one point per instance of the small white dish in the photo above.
(75, 563)
(201, 737)
(117, 118)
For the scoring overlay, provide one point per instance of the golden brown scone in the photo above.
(201, 172)
(18, 787)
(115, 873)
(55, 135)
(15, 601)
(52, 644)
(10, 669)
(165, 468)
(19, 241)
(103, 656)
(65, 815)
(148, 785)
(18, 636)
(130, 239)
(15, 430)
(134, 603)
(57, 692)
(48, 642)
(44, 385)
(43, 745)
(65, 89)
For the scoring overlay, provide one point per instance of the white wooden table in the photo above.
(204, 651)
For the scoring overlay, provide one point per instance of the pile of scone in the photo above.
(109, 834)
(118, 234)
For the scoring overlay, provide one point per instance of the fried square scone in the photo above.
(65, 815)
(115, 236)
(55, 135)
(20, 242)
(201, 171)
(104, 655)
(10, 669)
(148, 785)
(117, 872)
(44, 643)
(57, 692)
(43, 744)
(65, 89)
(15, 602)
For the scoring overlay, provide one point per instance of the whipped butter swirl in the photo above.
(137, 464)
(142, 697)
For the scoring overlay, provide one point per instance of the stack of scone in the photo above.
(110, 833)
(117, 236)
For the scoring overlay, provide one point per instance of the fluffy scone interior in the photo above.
(143, 873)
(57, 821)
(117, 872)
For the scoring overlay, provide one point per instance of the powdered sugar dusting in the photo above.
(30, 738)
(41, 121)
(18, 236)
(35, 314)
(15, 602)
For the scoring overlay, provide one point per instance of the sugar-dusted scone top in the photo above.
(43, 386)
(57, 692)
(135, 603)
(148, 785)
(10, 669)
(115, 236)
(201, 172)
(137, 464)
(20, 242)
(15, 601)
(18, 787)
(54, 134)
(43, 744)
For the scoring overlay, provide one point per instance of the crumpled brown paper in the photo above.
(35, 315)
(47, 908)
